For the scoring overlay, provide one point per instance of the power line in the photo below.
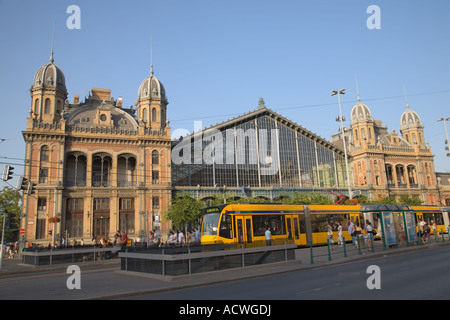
(315, 105)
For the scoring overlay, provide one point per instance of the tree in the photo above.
(184, 209)
(9, 201)
(307, 198)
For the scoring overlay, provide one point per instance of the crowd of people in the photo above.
(177, 238)
(10, 250)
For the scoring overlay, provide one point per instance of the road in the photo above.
(419, 275)
(415, 275)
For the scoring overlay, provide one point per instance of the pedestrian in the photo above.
(197, 236)
(351, 231)
(268, 235)
(124, 239)
(435, 230)
(330, 236)
(172, 238)
(340, 235)
(358, 231)
(369, 233)
(180, 238)
(426, 233)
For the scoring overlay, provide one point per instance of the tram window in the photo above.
(301, 219)
(436, 217)
(439, 219)
(319, 222)
(296, 228)
(259, 225)
(276, 223)
(225, 227)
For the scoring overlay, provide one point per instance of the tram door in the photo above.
(355, 218)
(293, 230)
(244, 230)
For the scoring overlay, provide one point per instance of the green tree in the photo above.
(307, 198)
(10, 202)
(405, 199)
(184, 209)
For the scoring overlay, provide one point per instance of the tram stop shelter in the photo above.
(395, 224)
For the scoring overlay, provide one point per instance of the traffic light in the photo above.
(22, 183)
(31, 187)
(11, 221)
(7, 173)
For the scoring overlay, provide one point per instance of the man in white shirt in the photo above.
(268, 235)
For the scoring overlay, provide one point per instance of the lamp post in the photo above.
(338, 93)
(446, 134)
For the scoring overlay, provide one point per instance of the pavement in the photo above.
(322, 257)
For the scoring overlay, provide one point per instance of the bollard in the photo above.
(358, 243)
(311, 250)
(371, 241)
(345, 250)
(329, 252)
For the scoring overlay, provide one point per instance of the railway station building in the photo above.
(97, 166)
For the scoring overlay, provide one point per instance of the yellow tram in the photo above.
(302, 224)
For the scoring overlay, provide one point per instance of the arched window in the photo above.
(47, 106)
(126, 170)
(45, 153)
(155, 157)
(36, 106)
(154, 115)
(145, 115)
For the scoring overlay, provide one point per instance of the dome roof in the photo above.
(152, 87)
(410, 119)
(84, 116)
(360, 112)
(49, 76)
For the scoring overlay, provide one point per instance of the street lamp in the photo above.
(446, 133)
(338, 93)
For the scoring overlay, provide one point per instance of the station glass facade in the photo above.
(258, 150)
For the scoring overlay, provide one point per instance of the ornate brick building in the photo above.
(388, 163)
(98, 167)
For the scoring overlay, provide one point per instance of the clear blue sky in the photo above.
(217, 58)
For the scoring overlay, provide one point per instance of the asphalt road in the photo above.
(419, 275)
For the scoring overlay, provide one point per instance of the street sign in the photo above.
(22, 231)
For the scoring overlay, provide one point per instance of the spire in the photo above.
(53, 38)
(151, 56)
(357, 91)
(406, 98)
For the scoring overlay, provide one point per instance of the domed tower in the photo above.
(152, 103)
(48, 93)
(362, 125)
(411, 128)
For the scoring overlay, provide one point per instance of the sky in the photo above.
(217, 58)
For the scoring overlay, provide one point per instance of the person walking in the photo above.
(340, 235)
(268, 235)
(351, 231)
(330, 236)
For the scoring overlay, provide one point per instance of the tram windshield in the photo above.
(210, 224)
